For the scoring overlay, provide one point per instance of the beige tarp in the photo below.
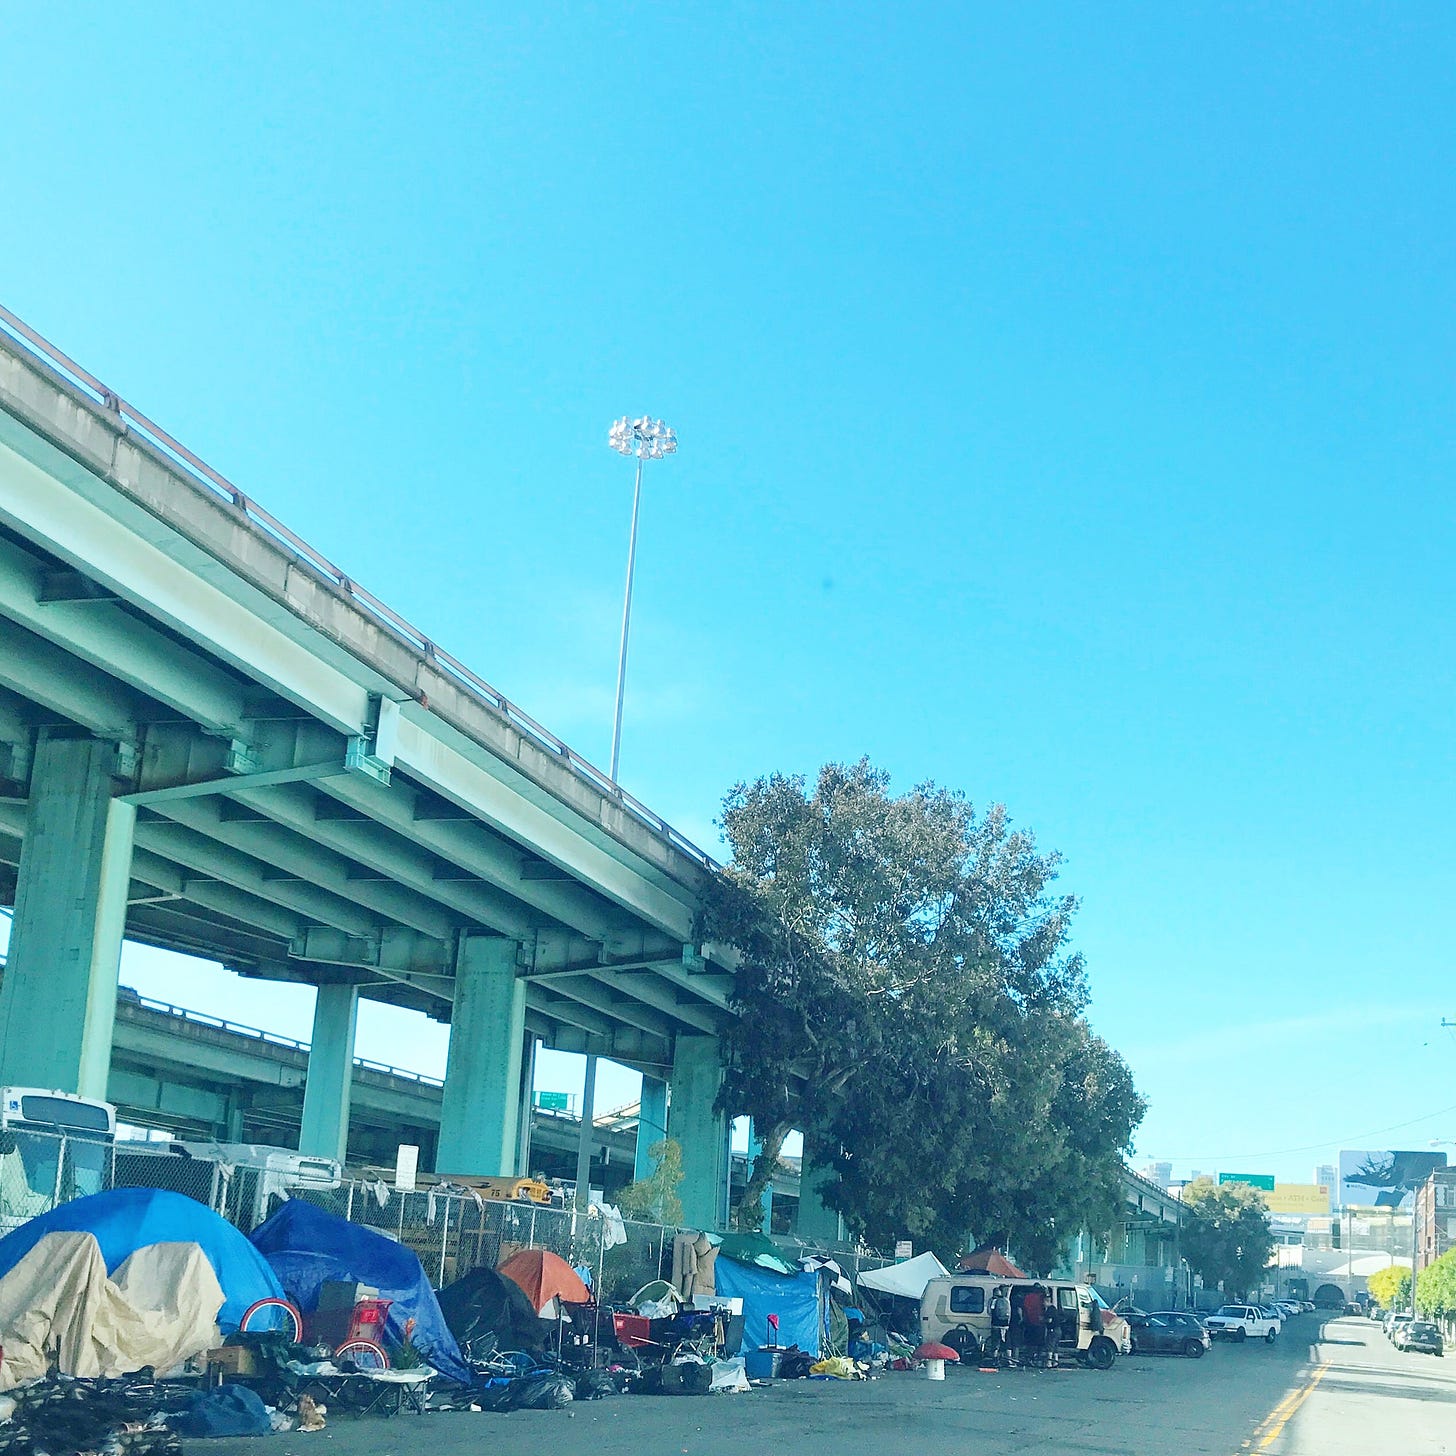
(58, 1306)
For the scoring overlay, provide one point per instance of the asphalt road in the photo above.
(1321, 1390)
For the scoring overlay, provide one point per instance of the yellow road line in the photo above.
(1277, 1411)
(1279, 1416)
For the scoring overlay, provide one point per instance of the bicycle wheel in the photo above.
(362, 1354)
(515, 1362)
(271, 1314)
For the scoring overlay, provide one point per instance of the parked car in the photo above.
(1160, 1334)
(1393, 1324)
(1420, 1335)
(1242, 1322)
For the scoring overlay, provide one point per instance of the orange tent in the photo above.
(990, 1261)
(545, 1276)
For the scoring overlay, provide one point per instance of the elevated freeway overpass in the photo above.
(214, 741)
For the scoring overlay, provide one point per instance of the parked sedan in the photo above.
(1167, 1333)
(1420, 1335)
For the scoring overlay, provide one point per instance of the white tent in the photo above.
(907, 1280)
(159, 1307)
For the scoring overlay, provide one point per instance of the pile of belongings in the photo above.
(58, 1416)
(547, 1389)
(106, 1285)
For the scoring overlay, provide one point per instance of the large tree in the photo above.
(908, 1001)
(1225, 1234)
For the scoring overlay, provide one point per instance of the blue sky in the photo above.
(1065, 400)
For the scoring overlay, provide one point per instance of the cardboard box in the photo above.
(232, 1360)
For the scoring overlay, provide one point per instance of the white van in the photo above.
(955, 1311)
(244, 1182)
(54, 1146)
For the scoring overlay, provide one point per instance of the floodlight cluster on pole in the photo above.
(647, 439)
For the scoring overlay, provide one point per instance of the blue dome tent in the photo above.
(129, 1219)
(307, 1246)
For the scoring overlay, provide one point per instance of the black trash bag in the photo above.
(597, 1385)
(687, 1379)
(230, 1410)
(537, 1392)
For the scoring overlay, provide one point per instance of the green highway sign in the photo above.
(561, 1102)
(1254, 1180)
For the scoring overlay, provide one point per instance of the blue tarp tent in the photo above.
(129, 1219)
(797, 1299)
(307, 1247)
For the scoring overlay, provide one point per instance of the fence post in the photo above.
(60, 1173)
(531, 1232)
(349, 1206)
(444, 1242)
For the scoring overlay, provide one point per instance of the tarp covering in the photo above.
(160, 1309)
(545, 1276)
(797, 1299)
(752, 1247)
(307, 1247)
(485, 1301)
(907, 1280)
(128, 1219)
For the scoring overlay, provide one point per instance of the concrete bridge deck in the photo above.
(213, 740)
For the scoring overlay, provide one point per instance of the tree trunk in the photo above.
(748, 1213)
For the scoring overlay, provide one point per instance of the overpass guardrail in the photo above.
(320, 566)
(272, 1038)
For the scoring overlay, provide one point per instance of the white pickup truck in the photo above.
(1242, 1322)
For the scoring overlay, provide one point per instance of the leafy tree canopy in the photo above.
(1435, 1287)
(1390, 1287)
(908, 1001)
(1226, 1235)
(655, 1197)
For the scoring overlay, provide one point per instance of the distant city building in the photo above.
(1435, 1214)
(1329, 1175)
(1159, 1173)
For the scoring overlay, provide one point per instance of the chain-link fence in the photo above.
(451, 1230)
(39, 1169)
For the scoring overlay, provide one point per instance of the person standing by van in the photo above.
(1000, 1324)
(1034, 1317)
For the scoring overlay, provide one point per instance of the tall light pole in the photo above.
(647, 439)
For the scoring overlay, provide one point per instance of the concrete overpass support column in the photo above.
(651, 1124)
(326, 1093)
(525, 1119)
(816, 1220)
(586, 1134)
(59, 996)
(480, 1112)
(694, 1122)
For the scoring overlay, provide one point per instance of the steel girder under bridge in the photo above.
(215, 742)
